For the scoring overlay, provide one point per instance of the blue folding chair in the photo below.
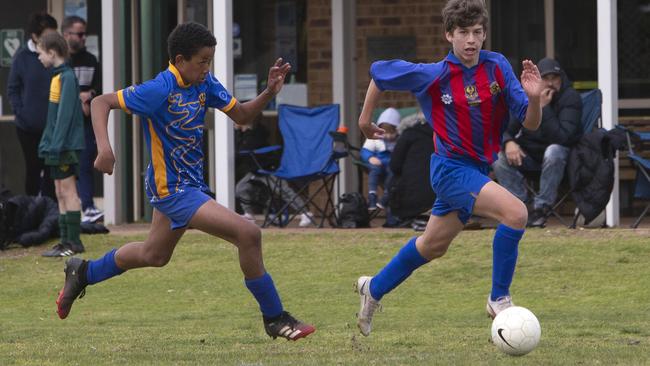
(642, 165)
(307, 156)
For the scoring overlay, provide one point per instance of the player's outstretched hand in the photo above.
(277, 74)
(531, 80)
(105, 162)
(371, 131)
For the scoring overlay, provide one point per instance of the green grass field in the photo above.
(589, 289)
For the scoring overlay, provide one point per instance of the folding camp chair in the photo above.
(307, 156)
(642, 165)
(591, 115)
(345, 149)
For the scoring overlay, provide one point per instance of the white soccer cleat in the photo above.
(368, 305)
(493, 308)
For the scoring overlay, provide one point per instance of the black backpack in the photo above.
(353, 211)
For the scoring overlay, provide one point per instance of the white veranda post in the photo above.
(608, 84)
(223, 129)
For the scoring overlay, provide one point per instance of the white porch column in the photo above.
(113, 190)
(344, 81)
(223, 129)
(608, 84)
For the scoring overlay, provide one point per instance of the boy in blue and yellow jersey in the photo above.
(172, 107)
(62, 141)
(466, 98)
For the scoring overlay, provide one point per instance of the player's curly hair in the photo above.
(464, 13)
(187, 39)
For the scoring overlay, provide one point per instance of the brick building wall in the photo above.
(375, 18)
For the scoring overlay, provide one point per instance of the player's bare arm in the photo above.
(533, 85)
(100, 108)
(244, 113)
(369, 129)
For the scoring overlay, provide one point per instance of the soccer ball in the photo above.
(516, 331)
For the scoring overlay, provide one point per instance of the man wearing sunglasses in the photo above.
(86, 68)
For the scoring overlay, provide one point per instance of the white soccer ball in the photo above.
(516, 331)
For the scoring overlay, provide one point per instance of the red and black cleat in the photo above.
(74, 286)
(288, 327)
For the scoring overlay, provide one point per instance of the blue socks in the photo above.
(266, 295)
(103, 268)
(407, 260)
(504, 259)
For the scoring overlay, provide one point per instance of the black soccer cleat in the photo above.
(74, 286)
(288, 327)
(59, 250)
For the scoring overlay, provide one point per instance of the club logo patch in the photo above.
(495, 88)
(472, 95)
(446, 98)
(202, 99)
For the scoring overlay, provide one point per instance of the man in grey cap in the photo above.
(544, 150)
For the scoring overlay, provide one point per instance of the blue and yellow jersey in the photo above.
(172, 121)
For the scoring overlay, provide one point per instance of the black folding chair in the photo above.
(591, 118)
(354, 153)
(636, 141)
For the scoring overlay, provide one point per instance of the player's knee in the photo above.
(59, 194)
(157, 259)
(434, 248)
(516, 216)
(250, 235)
(438, 252)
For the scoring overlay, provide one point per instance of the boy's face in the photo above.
(467, 42)
(390, 133)
(195, 70)
(47, 58)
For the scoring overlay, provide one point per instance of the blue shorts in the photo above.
(457, 183)
(181, 206)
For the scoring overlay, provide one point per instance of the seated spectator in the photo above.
(545, 149)
(411, 194)
(251, 189)
(376, 153)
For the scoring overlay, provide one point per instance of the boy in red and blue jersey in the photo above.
(467, 98)
(172, 107)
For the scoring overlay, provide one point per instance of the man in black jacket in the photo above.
(28, 90)
(545, 149)
(86, 68)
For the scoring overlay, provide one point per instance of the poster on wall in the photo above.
(286, 34)
(76, 7)
(10, 41)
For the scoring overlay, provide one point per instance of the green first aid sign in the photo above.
(10, 42)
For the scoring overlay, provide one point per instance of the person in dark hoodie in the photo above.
(545, 149)
(411, 194)
(86, 69)
(28, 89)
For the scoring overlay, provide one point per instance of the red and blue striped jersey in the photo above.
(172, 123)
(468, 108)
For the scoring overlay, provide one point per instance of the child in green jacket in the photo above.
(62, 141)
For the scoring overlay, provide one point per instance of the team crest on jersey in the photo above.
(495, 88)
(472, 95)
(446, 98)
(202, 99)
